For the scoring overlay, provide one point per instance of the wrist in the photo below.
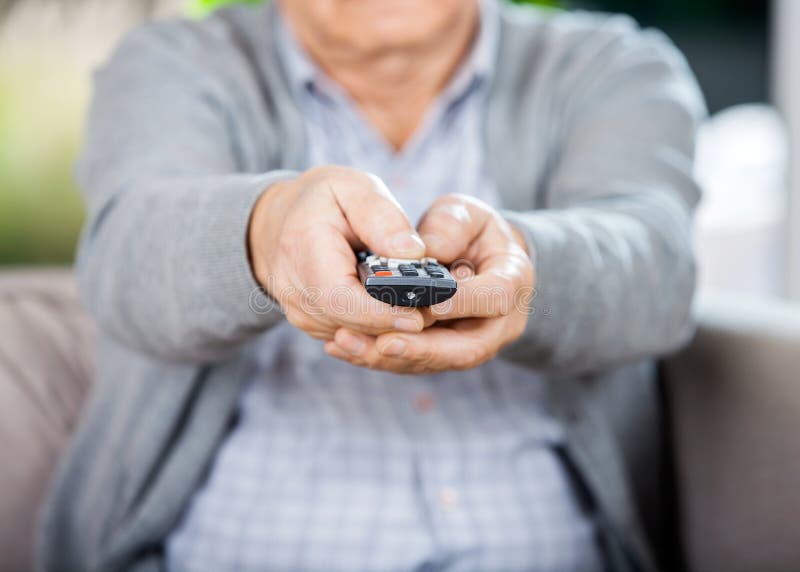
(263, 228)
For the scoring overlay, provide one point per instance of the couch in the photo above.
(716, 471)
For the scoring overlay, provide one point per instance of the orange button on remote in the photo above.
(384, 273)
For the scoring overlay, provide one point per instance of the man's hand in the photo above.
(489, 311)
(301, 238)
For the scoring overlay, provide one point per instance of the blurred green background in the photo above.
(40, 211)
(46, 54)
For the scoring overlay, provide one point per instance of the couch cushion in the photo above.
(45, 370)
(735, 399)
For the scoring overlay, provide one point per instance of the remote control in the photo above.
(401, 282)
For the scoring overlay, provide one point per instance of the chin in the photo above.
(397, 32)
(383, 24)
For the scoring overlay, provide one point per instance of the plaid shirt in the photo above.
(333, 467)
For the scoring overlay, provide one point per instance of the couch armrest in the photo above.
(45, 371)
(735, 401)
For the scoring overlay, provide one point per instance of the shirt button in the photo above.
(448, 498)
(423, 403)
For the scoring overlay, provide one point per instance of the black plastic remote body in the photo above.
(401, 282)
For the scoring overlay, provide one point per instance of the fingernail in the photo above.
(433, 242)
(405, 243)
(406, 325)
(394, 348)
(351, 344)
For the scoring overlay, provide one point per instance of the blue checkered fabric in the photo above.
(333, 467)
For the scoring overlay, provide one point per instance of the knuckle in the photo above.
(341, 181)
(328, 172)
(469, 360)
(467, 201)
(366, 180)
(445, 209)
(314, 179)
(425, 357)
(355, 182)
(450, 213)
(299, 320)
(374, 362)
(453, 198)
(476, 355)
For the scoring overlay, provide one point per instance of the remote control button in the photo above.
(435, 274)
(380, 268)
(383, 273)
(407, 270)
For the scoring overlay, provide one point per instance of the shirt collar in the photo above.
(477, 68)
(301, 71)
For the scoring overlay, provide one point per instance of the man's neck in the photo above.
(394, 88)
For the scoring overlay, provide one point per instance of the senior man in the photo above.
(251, 413)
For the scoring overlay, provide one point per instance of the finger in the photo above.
(450, 225)
(433, 314)
(375, 216)
(440, 349)
(324, 335)
(492, 293)
(360, 350)
(335, 350)
(349, 305)
(332, 295)
(429, 318)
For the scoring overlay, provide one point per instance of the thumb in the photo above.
(376, 218)
(450, 225)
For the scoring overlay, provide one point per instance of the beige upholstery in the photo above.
(44, 374)
(735, 396)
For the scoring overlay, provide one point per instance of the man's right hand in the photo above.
(302, 237)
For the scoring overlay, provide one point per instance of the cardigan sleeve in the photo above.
(613, 245)
(163, 261)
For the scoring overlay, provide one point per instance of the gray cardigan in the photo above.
(589, 136)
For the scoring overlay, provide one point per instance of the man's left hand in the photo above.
(490, 310)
